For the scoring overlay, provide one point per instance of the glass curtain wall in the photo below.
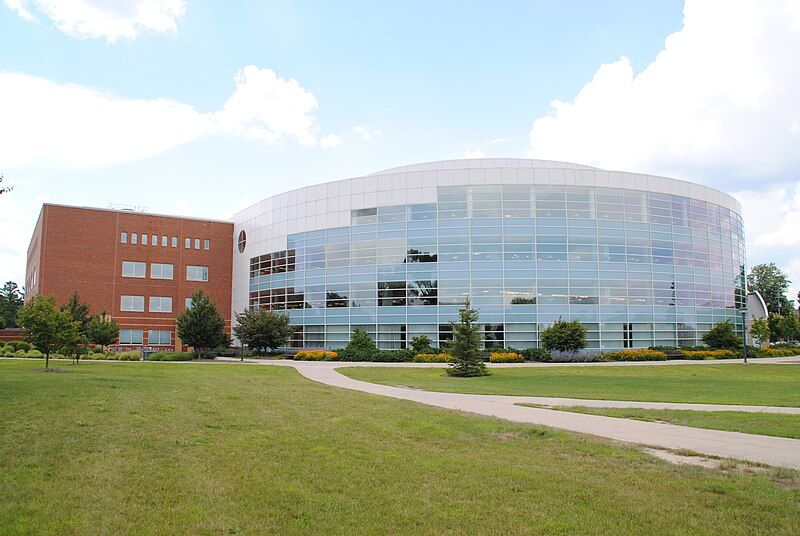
(636, 268)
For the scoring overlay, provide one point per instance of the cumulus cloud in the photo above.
(772, 220)
(52, 125)
(111, 20)
(721, 101)
(47, 124)
(365, 132)
(268, 107)
(720, 104)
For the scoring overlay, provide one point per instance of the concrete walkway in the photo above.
(775, 451)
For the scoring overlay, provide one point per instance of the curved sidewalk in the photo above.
(775, 451)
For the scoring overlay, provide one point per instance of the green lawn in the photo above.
(777, 385)
(773, 424)
(166, 448)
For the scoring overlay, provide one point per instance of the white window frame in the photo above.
(158, 303)
(134, 238)
(154, 240)
(204, 273)
(151, 342)
(187, 243)
(206, 244)
(131, 304)
(160, 266)
(136, 264)
(130, 333)
(144, 239)
(196, 243)
(174, 241)
(164, 241)
(123, 237)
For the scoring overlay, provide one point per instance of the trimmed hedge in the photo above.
(171, 356)
(20, 345)
(536, 354)
(635, 355)
(132, 355)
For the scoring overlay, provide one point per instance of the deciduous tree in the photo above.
(201, 326)
(262, 330)
(101, 330)
(772, 284)
(48, 329)
(723, 336)
(759, 330)
(564, 336)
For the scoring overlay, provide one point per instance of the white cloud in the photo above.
(19, 7)
(474, 152)
(51, 125)
(721, 100)
(111, 20)
(365, 132)
(268, 107)
(329, 141)
(773, 216)
(772, 220)
(47, 124)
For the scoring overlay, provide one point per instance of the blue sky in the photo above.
(105, 102)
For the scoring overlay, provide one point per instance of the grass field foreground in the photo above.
(763, 385)
(161, 448)
(772, 424)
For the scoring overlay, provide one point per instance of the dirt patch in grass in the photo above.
(783, 478)
(684, 458)
(506, 436)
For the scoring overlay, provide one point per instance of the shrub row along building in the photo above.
(640, 260)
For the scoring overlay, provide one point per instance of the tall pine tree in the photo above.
(466, 347)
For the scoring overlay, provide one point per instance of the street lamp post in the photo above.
(744, 334)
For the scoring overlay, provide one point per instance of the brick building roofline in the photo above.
(136, 213)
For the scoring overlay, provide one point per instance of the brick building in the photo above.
(139, 268)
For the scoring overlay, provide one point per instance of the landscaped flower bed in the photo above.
(635, 355)
(506, 357)
(315, 355)
(709, 354)
(432, 358)
(779, 352)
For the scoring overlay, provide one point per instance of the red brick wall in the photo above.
(11, 334)
(79, 250)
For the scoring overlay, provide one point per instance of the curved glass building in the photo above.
(640, 260)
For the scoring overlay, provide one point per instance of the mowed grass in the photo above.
(763, 385)
(772, 424)
(165, 448)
